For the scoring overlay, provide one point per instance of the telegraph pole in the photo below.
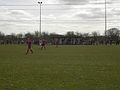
(105, 17)
(40, 3)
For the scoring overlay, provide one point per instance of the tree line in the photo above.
(112, 36)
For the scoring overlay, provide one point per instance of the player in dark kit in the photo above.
(43, 44)
(29, 46)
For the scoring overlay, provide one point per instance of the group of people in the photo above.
(42, 43)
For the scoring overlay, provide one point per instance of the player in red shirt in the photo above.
(29, 46)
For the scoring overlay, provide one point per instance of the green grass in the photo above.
(63, 68)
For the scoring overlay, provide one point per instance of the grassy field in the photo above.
(63, 68)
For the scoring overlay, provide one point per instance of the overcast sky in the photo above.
(58, 16)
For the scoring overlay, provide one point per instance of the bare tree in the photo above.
(29, 35)
(86, 35)
(2, 35)
(36, 34)
(113, 35)
(70, 33)
(95, 34)
(113, 32)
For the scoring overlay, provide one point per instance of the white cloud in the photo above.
(57, 15)
(74, 1)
